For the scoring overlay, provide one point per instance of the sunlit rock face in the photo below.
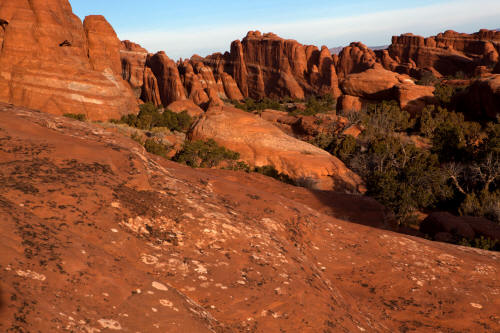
(50, 61)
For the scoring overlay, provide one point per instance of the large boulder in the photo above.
(483, 97)
(186, 105)
(51, 62)
(374, 83)
(447, 227)
(262, 144)
(413, 98)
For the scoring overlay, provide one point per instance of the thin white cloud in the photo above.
(371, 28)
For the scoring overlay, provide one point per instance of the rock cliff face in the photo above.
(52, 62)
(96, 235)
(133, 61)
(265, 65)
(447, 53)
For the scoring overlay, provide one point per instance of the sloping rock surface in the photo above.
(260, 143)
(97, 235)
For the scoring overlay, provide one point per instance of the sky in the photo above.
(183, 28)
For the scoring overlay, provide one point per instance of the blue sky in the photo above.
(184, 28)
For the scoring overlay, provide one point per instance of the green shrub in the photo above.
(250, 105)
(150, 117)
(204, 154)
(154, 147)
(344, 147)
(483, 243)
(315, 105)
(77, 116)
(427, 79)
(137, 138)
(386, 117)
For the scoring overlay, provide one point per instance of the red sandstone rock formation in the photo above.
(103, 44)
(413, 98)
(48, 61)
(374, 83)
(261, 144)
(133, 61)
(168, 78)
(448, 52)
(349, 103)
(150, 91)
(230, 87)
(355, 58)
(106, 237)
(443, 226)
(187, 105)
(265, 65)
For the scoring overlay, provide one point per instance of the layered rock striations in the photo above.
(133, 61)
(447, 53)
(265, 65)
(50, 61)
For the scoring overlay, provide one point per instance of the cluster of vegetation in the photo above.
(251, 105)
(150, 117)
(313, 104)
(205, 154)
(77, 116)
(460, 172)
(427, 79)
(196, 154)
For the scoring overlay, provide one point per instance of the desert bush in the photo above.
(154, 147)
(77, 116)
(150, 117)
(344, 147)
(384, 118)
(204, 154)
(322, 140)
(427, 79)
(250, 105)
(315, 105)
(401, 176)
(137, 138)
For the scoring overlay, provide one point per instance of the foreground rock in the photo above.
(483, 97)
(446, 227)
(50, 61)
(262, 144)
(96, 234)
